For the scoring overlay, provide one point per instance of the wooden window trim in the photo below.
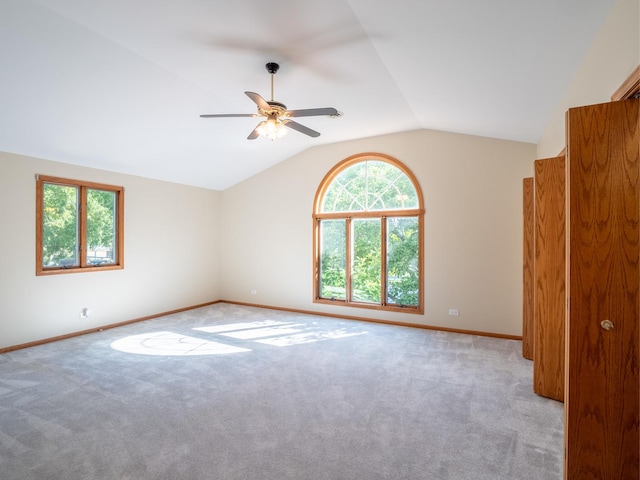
(82, 219)
(382, 214)
(338, 168)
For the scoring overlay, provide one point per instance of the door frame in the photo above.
(629, 88)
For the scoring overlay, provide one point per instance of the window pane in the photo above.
(371, 185)
(366, 266)
(333, 259)
(347, 191)
(101, 227)
(388, 188)
(59, 226)
(402, 261)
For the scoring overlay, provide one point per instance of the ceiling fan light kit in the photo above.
(278, 118)
(271, 129)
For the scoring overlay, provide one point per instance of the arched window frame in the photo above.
(318, 216)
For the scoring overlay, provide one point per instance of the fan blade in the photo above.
(220, 115)
(254, 133)
(258, 100)
(301, 128)
(312, 112)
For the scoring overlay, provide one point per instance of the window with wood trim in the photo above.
(368, 228)
(79, 226)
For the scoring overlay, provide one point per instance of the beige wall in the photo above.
(185, 246)
(472, 189)
(171, 255)
(610, 60)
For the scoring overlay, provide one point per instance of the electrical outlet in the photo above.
(85, 313)
(254, 292)
(454, 312)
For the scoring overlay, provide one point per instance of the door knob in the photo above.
(607, 324)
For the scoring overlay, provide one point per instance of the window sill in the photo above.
(386, 308)
(58, 271)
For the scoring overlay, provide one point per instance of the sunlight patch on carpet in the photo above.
(230, 327)
(308, 337)
(173, 344)
(265, 332)
(280, 334)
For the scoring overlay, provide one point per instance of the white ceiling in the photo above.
(120, 84)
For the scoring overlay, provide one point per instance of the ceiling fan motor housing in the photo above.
(277, 105)
(272, 67)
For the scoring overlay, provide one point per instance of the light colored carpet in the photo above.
(231, 392)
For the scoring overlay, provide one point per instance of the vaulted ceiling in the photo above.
(120, 84)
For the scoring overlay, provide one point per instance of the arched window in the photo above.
(368, 230)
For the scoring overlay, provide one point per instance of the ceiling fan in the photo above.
(277, 117)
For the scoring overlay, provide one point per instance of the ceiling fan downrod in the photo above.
(272, 68)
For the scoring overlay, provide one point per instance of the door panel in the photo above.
(527, 268)
(549, 276)
(602, 389)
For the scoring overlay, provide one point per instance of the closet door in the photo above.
(527, 268)
(602, 389)
(549, 276)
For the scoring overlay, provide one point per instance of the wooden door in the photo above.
(527, 268)
(602, 389)
(549, 277)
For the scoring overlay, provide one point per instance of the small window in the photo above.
(79, 226)
(368, 221)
